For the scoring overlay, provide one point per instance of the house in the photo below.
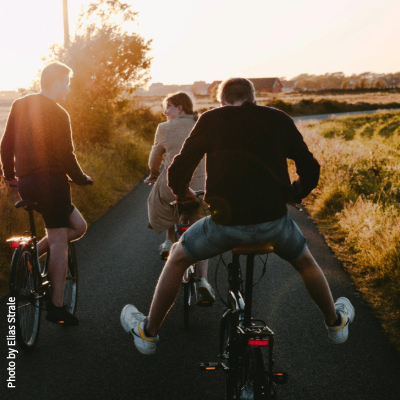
(288, 86)
(267, 85)
(200, 87)
(261, 85)
(159, 89)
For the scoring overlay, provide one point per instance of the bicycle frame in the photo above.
(244, 332)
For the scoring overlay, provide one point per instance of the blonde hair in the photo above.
(53, 72)
(236, 89)
(180, 99)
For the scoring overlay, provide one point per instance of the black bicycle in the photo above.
(190, 277)
(29, 285)
(243, 340)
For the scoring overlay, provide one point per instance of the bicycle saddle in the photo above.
(27, 204)
(246, 249)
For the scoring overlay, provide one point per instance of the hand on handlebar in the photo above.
(189, 197)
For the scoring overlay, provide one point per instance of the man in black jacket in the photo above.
(247, 189)
(37, 149)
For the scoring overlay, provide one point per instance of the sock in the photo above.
(338, 322)
(147, 334)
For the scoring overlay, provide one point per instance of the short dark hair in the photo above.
(236, 89)
(53, 72)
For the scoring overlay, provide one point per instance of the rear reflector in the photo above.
(15, 245)
(252, 342)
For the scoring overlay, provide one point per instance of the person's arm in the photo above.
(307, 167)
(156, 154)
(67, 155)
(7, 147)
(185, 163)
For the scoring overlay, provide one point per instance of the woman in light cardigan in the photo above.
(168, 141)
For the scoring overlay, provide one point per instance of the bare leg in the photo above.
(168, 287)
(202, 268)
(316, 285)
(57, 239)
(77, 228)
(171, 234)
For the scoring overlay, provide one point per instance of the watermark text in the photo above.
(11, 343)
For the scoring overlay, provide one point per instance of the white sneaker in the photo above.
(339, 334)
(133, 321)
(206, 291)
(165, 249)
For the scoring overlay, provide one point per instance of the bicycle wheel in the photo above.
(254, 379)
(24, 281)
(71, 281)
(229, 353)
(186, 303)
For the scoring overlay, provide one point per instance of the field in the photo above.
(205, 102)
(356, 204)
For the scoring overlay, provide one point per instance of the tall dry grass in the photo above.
(357, 202)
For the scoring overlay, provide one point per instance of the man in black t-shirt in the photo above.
(247, 189)
(37, 155)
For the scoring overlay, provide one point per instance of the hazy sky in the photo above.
(215, 39)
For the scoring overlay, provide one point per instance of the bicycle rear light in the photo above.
(253, 342)
(16, 241)
(183, 229)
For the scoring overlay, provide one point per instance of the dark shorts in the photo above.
(52, 194)
(206, 239)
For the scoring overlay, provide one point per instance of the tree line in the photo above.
(338, 80)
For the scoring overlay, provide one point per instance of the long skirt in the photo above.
(162, 215)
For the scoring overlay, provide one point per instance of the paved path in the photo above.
(119, 264)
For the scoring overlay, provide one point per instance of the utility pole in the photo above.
(66, 26)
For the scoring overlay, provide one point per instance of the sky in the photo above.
(209, 40)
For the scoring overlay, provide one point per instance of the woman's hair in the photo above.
(236, 89)
(180, 99)
(53, 72)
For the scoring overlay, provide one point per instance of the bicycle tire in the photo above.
(229, 351)
(254, 380)
(186, 303)
(25, 280)
(71, 282)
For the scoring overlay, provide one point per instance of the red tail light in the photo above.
(15, 245)
(183, 229)
(252, 342)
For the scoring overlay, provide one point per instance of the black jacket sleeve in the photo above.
(67, 156)
(185, 163)
(307, 167)
(7, 147)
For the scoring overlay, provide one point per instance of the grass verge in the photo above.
(356, 204)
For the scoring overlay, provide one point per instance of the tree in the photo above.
(109, 63)
(362, 84)
(345, 84)
(380, 84)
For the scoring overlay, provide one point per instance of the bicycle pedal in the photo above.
(205, 303)
(280, 378)
(210, 366)
(44, 286)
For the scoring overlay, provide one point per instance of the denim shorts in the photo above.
(206, 239)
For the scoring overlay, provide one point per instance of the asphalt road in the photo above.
(119, 264)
